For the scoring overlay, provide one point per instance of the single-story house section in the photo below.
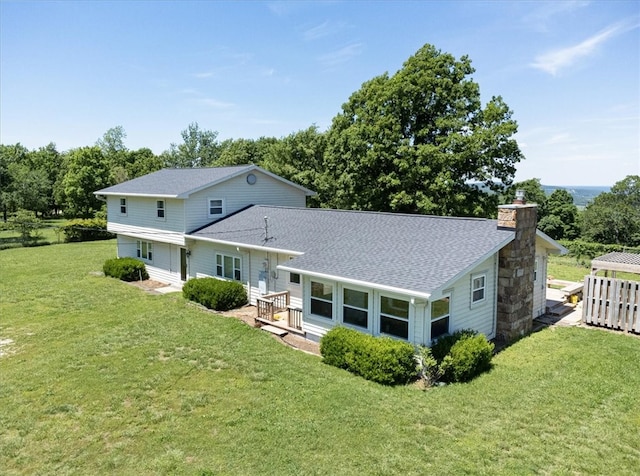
(411, 277)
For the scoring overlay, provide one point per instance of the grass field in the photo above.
(102, 378)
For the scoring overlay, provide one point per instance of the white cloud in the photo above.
(556, 60)
(207, 74)
(546, 11)
(342, 55)
(322, 30)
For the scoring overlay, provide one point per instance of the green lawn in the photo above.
(49, 233)
(103, 378)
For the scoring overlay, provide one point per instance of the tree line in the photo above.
(417, 141)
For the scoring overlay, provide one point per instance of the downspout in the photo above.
(496, 266)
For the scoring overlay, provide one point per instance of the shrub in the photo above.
(86, 229)
(429, 370)
(442, 346)
(468, 357)
(126, 269)
(215, 293)
(379, 359)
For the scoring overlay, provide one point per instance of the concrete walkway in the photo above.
(556, 297)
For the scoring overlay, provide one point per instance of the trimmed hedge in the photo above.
(86, 229)
(125, 269)
(442, 346)
(468, 358)
(379, 359)
(215, 293)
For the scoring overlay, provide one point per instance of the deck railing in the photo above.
(295, 317)
(270, 304)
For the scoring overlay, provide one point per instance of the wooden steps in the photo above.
(274, 330)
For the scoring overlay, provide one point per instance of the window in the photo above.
(216, 207)
(394, 317)
(355, 309)
(160, 208)
(478, 288)
(322, 299)
(294, 278)
(123, 206)
(440, 317)
(535, 271)
(228, 267)
(144, 250)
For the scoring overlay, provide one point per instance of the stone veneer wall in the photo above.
(516, 272)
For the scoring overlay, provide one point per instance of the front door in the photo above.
(183, 264)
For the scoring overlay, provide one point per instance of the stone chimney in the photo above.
(516, 266)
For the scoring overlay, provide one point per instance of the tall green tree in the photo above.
(561, 216)
(614, 217)
(420, 142)
(199, 148)
(86, 170)
(298, 157)
(115, 152)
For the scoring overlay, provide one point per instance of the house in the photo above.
(413, 277)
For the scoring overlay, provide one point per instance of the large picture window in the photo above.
(144, 250)
(394, 317)
(229, 267)
(440, 317)
(322, 299)
(355, 309)
(478, 288)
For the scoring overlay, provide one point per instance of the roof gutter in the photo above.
(245, 245)
(356, 282)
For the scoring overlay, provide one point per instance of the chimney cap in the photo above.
(520, 197)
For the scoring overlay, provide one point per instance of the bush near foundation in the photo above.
(125, 269)
(379, 359)
(86, 229)
(215, 293)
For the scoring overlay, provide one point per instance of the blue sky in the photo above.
(569, 70)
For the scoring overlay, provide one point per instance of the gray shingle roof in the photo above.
(414, 252)
(182, 182)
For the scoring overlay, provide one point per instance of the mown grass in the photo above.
(567, 268)
(49, 233)
(103, 378)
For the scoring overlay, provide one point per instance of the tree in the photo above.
(10, 156)
(237, 152)
(561, 215)
(298, 157)
(614, 217)
(141, 162)
(420, 142)
(199, 149)
(533, 193)
(86, 170)
(31, 188)
(115, 152)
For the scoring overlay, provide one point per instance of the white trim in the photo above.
(162, 208)
(447, 316)
(125, 206)
(233, 266)
(246, 246)
(555, 247)
(483, 275)
(222, 207)
(380, 287)
(144, 195)
(151, 234)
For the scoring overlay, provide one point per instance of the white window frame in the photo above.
(439, 318)
(367, 310)
(295, 283)
(123, 206)
(161, 207)
(144, 250)
(334, 289)
(535, 269)
(221, 268)
(475, 277)
(221, 207)
(397, 318)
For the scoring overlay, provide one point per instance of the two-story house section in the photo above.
(152, 215)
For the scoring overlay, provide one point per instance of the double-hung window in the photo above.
(123, 206)
(294, 278)
(322, 299)
(478, 288)
(144, 250)
(229, 267)
(440, 317)
(160, 209)
(355, 308)
(394, 317)
(216, 207)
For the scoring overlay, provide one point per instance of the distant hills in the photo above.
(582, 195)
